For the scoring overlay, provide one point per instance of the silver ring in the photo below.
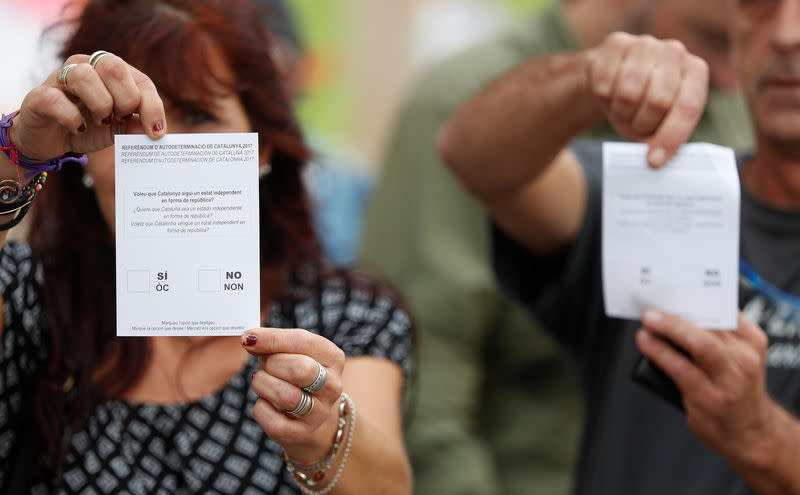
(304, 407)
(317, 384)
(62, 78)
(96, 56)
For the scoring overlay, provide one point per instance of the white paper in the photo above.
(187, 234)
(671, 235)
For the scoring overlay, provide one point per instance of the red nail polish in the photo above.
(106, 120)
(82, 128)
(158, 127)
(250, 340)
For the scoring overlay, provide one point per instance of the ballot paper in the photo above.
(670, 236)
(187, 234)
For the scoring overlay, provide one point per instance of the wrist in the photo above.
(20, 156)
(12, 135)
(312, 475)
(770, 452)
(320, 442)
(14, 138)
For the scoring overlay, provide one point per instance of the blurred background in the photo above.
(362, 56)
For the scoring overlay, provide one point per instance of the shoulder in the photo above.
(320, 298)
(358, 313)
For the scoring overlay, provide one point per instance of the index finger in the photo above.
(260, 341)
(684, 114)
(151, 108)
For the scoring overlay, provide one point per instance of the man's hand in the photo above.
(652, 91)
(508, 144)
(728, 407)
(723, 382)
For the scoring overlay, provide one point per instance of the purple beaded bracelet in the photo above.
(37, 166)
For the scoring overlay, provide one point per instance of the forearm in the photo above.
(377, 461)
(375, 464)
(769, 466)
(517, 125)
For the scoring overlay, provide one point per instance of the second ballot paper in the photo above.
(670, 236)
(187, 234)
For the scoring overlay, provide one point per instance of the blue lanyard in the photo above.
(766, 288)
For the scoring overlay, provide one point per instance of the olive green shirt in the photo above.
(495, 406)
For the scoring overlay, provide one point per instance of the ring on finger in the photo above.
(96, 56)
(322, 377)
(304, 407)
(62, 78)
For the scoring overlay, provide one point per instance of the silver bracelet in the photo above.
(308, 476)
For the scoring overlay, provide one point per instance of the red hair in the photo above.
(168, 40)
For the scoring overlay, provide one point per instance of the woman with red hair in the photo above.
(282, 410)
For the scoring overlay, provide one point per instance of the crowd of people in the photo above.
(475, 356)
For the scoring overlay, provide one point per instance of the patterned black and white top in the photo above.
(212, 446)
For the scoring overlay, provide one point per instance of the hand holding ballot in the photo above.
(650, 90)
(296, 368)
(721, 378)
(79, 108)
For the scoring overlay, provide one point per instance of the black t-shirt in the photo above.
(213, 445)
(635, 443)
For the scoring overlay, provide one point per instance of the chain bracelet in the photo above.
(320, 467)
(306, 490)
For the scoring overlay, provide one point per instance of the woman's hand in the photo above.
(82, 113)
(289, 360)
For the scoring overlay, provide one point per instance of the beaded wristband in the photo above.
(347, 414)
(12, 192)
(14, 198)
(37, 166)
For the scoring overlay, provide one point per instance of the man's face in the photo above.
(702, 26)
(766, 52)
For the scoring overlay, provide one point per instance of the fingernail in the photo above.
(128, 117)
(158, 127)
(82, 128)
(651, 316)
(657, 157)
(106, 120)
(249, 340)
